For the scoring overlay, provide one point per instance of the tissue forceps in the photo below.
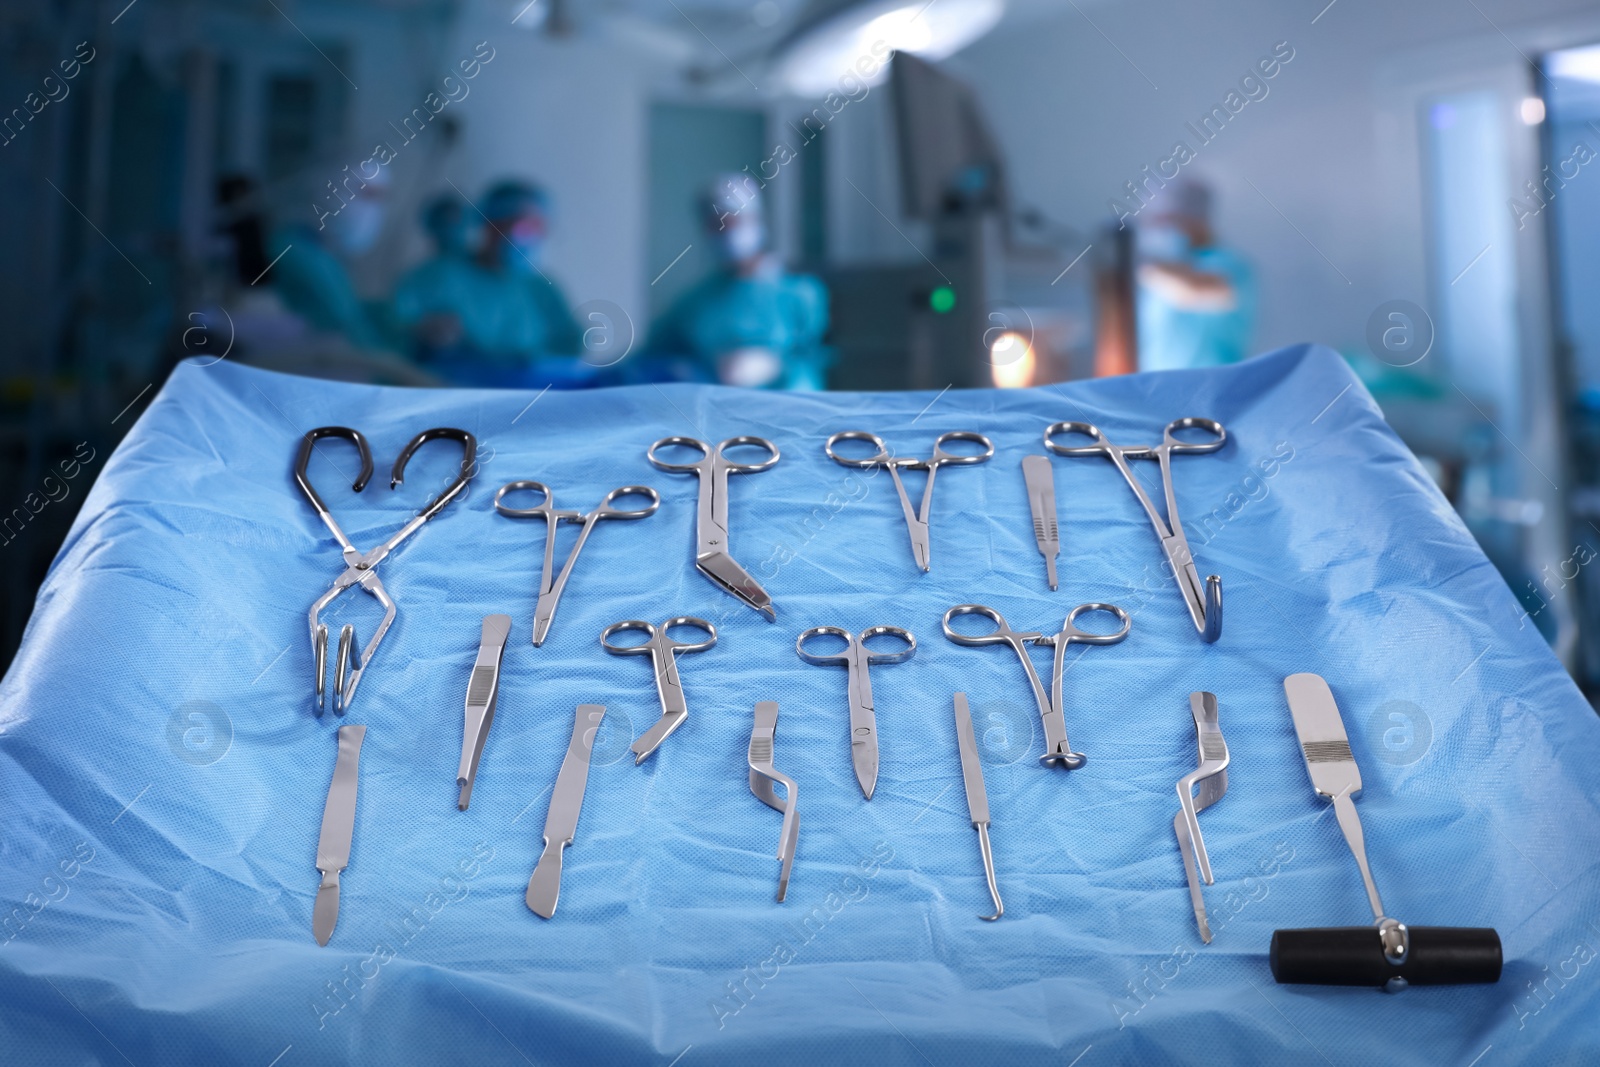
(712, 556)
(361, 567)
(1203, 601)
(662, 651)
(763, 776)
(916, 521)
(1212, 778)
(1051, 711)
(544, 612)
(856, 656)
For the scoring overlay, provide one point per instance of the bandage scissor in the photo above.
(550, 591)
(856, 656)
(712, 557)
(916, 521)
(360, 567)
(662, 651)
(1051, 710)
(1205, 607)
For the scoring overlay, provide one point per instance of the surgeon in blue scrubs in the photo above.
(1197, 299)
(513, 312)
(750, 322)
(428, 300)
(309, 268)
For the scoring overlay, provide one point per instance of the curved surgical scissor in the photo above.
(662, 651)
(856, 656)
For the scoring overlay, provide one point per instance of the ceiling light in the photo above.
(852, 39)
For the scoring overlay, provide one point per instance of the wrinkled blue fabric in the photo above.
(164, 778)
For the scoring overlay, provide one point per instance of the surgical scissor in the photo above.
(360, 567)
(544, 611)
(856, 656)
(916, 521)
(662, 650)
(1051, 710)
(712, 557)
(1204, 602)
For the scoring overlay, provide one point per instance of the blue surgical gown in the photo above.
(313, 283)
(785, 313)
(1171, 337)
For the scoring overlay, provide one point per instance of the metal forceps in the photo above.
(856, 656)
(763, 776)
(916, 521)
(712, 557)
(544, 612)
(662, 651)
(1204, 602)
(1212, 777)
(1051, 711)
(361, 567)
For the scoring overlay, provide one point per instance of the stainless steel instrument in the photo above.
(1040, 479)
(483, 694)
(916, 520)
(856, 657)
(763, 776)
(1052, 714)
(977, 797)
(712, 555)
(566, 800)
(338, 827)
(1389, 953)
(361, 567)
(550, 589)
(1203, 601)
(662, 651)
(1212, 778)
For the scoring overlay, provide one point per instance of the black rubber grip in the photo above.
(1353, 955)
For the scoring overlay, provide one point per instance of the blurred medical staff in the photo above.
(1197, 300)
(512, 312)
(429, 299)
(309, 265)
(750, 322)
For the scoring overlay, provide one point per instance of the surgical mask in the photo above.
(742, 240)
(1162, 242)
(357, 225)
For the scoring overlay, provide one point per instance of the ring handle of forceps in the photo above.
(880, 457)
(545, 507)
(943, 458)
(1086, 429)
(707, 452)
(609, 510)
(302, 461)
(830, 658)
(469, 464)
(658, 635)
(1193, 422)
(1001, 634)
(1083, 637)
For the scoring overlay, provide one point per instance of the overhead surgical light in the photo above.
(1578, 64)
(852, 39)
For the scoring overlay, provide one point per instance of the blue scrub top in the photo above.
(786, 313)
(508, 318)
(1172, 338)
(313, 283)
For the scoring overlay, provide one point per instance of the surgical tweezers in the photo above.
(483, 696)
(662, 651)
(361, 567)
(763, 776)
(712, 556)
(916, 521)
(1204, 602)
(1212, 778)
(544, 611)
(1057, 750)
(856, 656)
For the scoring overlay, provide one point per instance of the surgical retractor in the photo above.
(763, 776)
(1212, 778)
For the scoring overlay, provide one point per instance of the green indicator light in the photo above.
(942, 299)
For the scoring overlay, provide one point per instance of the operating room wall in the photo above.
(1306, 177)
